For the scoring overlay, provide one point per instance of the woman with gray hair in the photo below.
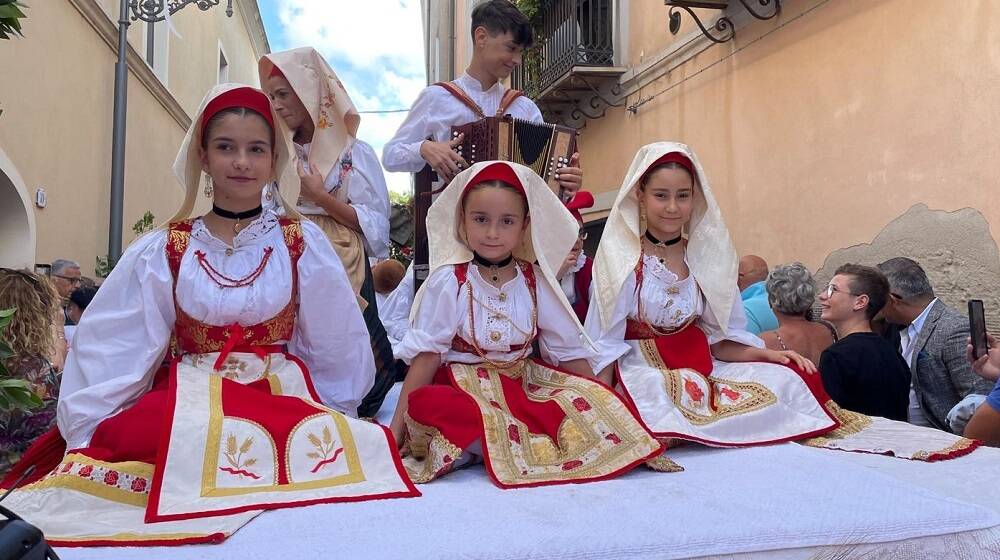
(791, 292)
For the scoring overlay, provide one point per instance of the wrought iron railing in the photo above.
(573, 33)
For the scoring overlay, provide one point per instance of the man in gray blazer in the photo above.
(932, 339)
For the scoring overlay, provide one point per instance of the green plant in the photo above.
(15, 394)
(531, 61)
(10, 14)
(401, 227)
(103, 264)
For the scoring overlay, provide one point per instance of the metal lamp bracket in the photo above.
(724, 30)
(153, 10)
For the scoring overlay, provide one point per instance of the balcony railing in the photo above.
(574, 33)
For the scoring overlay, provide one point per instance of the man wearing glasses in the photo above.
(66, 277)
(862, 371)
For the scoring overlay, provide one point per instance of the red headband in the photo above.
(672, 157)
(496, 172)
(583, 199)
(246, 97)
(275, 71)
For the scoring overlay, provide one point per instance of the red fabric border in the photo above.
(214, 538)
(306, 375)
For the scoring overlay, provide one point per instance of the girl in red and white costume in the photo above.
(668, 317)
(255, 410)
(473, 389)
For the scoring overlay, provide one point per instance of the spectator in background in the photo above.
(78, 301)
(66, 277)
(932, 339)
(791, 292)
(751, 275)
(386, 275)
(35, 334)
(985, 423)
(862, 371)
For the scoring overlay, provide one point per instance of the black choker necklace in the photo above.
(237, 215)
(652, 239)
(493, 266)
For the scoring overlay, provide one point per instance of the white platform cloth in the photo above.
(776, 502)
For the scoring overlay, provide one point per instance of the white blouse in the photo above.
(124, 335)
(502, 319)
(395, 311)
(434, 113)
(668, 302)
(366, 192)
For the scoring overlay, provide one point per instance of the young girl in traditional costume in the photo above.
(668, 317)
(256, 408)
(472, 388)
(343, 190)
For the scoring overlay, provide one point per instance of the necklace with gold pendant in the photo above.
(493, 267)
(238, 216)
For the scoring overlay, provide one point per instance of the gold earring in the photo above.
(209, 187)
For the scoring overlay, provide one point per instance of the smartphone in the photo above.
(977, 328)
(43, 269)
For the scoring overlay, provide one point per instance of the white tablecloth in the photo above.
(784, 501)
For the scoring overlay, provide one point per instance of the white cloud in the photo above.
(376, 48)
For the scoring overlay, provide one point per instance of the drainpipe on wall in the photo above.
(118, 141)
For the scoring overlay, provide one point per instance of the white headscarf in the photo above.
(187, 165)
(711, 256)
(551, 233)
(323, 95)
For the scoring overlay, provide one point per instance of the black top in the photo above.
(864, 373)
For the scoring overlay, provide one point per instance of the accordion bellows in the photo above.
(544, 148)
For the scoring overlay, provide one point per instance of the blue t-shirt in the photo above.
(760, 318)
(994, 398)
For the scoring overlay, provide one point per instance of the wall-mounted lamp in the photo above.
(724, 28)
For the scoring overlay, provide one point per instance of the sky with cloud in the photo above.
(376, 48)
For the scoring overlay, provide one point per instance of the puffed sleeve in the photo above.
(437, 319)
(368, 194)
(737, 325)
(120, 341)
(330, 334)
(402, 153)
(610, 342)
(559, 336)
(395, 313)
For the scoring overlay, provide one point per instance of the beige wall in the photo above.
(818, 135)
(57, 94)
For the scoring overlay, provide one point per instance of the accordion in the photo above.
(545, 148)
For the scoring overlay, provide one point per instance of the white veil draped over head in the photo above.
(711, 256)
(187, 165)
(551, 233)
(323, 95)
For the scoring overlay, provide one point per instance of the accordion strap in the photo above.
(508, 98)
(452, 88)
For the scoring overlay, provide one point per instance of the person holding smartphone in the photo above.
(985, 423)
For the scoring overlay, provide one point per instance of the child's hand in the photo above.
(785, 357)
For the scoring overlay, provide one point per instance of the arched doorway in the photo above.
(17, 218)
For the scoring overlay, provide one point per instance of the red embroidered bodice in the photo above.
(193, 336)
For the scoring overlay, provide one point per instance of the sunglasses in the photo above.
(832, 289)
